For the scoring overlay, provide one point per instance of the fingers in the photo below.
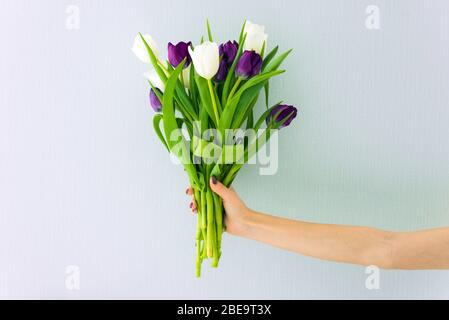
(192, 204)
(220, 189)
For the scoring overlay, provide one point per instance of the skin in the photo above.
(425, 249)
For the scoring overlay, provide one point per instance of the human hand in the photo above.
(236, 211)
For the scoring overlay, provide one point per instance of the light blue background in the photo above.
(84, 181)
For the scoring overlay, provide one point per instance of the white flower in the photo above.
(186, 77)
(154, 79)
(255, 37)
(205, 58)
(140, 49)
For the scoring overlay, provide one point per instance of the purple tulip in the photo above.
(282, 112)
(154, 100)
(178, 52)
(222, 72)
(249, 65)
(228, 51)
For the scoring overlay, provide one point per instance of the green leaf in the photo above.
(229, 111)
(264, 116)
(242, 32)
(171, 123)
(250, 117)
(256, 80)
(269, 57)
(181, 122)
(193, 91)
(245, 105)
(231, 72)
(168, 106)
(267, 93)
(204, 119)
(156, 125)
(184, 99)
(206, 102)
(209, 33)
(185, 105)
(262, 51)
(273, 65)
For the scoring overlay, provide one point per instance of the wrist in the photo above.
(243, 223)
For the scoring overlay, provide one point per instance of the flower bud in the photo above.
(154, 100)
(249, 65)
(179, 52)
(283, 113)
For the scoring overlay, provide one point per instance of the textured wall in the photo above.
(85, 182)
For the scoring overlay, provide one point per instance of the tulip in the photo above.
(140, 49)
(153, 77)
(185, 78)
(179, 52)
(154, 100)
(284, 113)
(249, 65)
(228, 51)
(222, 72)
(255, 37)
(205, 59)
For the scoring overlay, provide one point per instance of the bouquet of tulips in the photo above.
(205, 96)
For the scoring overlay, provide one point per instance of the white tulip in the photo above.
(255, 37)
(186, 77)
(153, 77)
(140, 49)
(206, 59)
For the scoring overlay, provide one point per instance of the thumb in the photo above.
(219, 188)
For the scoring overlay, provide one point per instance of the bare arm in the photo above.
(427, 249)
(358, 245)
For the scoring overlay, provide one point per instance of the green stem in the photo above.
(231, 174)
(219, 221)
(234, 88)
(212, 97)
(204, 213)
(198, 258)
(210, 224)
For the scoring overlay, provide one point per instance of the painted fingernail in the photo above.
(191, 204)
(187, 191)
(214, 180)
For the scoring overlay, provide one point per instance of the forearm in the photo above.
(350, 244)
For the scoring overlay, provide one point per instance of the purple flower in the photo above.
(249, 65)
(283, 112)
(222, 72)
(154, 100)
(177, 53)
(228, 51)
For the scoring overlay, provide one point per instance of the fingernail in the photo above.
(187, 191)
(214, 180)
(191, 204)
